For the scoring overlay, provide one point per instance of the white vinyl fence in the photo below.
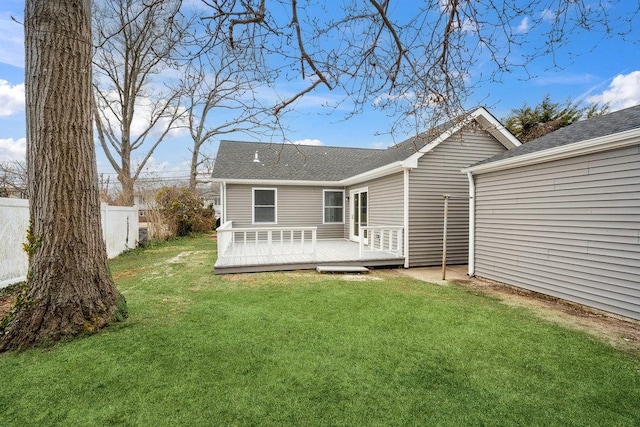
(119, 228)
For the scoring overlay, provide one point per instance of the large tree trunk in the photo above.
(70, 290)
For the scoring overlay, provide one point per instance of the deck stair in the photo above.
(341, 269)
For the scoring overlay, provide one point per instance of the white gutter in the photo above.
(385, 170)
(274, 182)
(406, 218)
(472, 226)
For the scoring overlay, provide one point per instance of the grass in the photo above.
(306, 349)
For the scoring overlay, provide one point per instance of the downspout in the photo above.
(472, 225)
(406, 217)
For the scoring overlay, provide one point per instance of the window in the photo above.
(264, 205)
(333, 206)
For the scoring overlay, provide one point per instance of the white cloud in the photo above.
(549, 15)
(13, 149)
(306, 142)
(564, 79)
(11, 41)
(152, 166)
(379, 145)
(11, 98)
(524, 26)
(318, 98)
(145, 110)
(623, 92)
(470, 26)
(466, 26)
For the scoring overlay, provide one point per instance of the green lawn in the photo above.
(307, 349)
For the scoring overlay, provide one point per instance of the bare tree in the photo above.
(136, 106)
(70, 290)
(13, 179)
(418, 62)
(219, 96)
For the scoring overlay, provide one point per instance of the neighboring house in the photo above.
(391, 200)
(561, 215)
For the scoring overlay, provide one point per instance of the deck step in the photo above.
(341, 269)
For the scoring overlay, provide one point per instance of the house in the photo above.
(290, 207)
(560, 215)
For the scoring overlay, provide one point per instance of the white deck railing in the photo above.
(252, 242)
(386, 238)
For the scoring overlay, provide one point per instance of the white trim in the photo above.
(483, 117)
(275, 182)
(412, 161)
(495, 128)
(324, 220)
(253, 205)
(385, 170)
(406, 218)
(589, 146)
(471, 262)
(352, 210)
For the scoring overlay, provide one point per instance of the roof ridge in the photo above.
(289, 144)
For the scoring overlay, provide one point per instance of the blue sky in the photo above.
(588, 69)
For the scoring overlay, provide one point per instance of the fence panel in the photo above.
(119, 229)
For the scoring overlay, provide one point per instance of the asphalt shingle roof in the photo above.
(235, 160)
(616, 122)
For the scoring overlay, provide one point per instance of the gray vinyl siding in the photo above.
(568, 228)
(439, 173)
(385, 201)
(297, 206)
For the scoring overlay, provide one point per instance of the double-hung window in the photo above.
(333, 206)
(264, 205)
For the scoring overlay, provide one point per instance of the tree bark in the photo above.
(126, 180)
(70, 290)
(193, 170)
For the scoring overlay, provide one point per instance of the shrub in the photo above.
(183, 211)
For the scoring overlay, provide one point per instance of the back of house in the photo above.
(391, 200)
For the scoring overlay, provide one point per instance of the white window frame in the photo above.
(324, 219)
(253, 205)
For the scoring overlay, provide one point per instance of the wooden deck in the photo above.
(252, 257)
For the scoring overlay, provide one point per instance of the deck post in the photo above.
(313, 241)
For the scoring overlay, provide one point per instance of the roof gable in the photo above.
(596, 128)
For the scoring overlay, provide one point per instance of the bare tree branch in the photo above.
(136, 102)
(420, 65)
